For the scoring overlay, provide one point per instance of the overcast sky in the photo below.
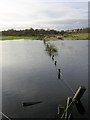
(47, 14)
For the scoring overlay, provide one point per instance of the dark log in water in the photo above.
(30, 103)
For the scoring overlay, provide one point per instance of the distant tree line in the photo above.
(29, 32)
(41, 32)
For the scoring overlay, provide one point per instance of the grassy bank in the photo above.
(79, 36)
(29, 37)
(19, 37)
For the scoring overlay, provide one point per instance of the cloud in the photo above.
(64, 24)
(41, 13)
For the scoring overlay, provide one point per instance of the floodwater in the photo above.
(30, 74)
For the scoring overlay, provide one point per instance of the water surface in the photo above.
(29, 74)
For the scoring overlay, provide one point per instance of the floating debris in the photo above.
(30, 103)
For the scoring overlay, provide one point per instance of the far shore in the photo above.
(77, 36)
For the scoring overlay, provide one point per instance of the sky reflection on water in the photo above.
(30, 75)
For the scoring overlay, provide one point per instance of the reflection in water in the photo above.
(70, 117)
(80, 107)
(55, 63)
(53, 57)
(59, 70)
(27, 78)
(52, 52)
(30, 103)
(68, 86)
(59, 76)
(51, 49)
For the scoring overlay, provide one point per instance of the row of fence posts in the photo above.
(65, 113)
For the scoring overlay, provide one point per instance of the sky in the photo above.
(43, 14)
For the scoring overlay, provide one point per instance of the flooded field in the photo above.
(30, 72)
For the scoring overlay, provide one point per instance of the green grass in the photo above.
(26, 37)
(78, 36)
(19, 37)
